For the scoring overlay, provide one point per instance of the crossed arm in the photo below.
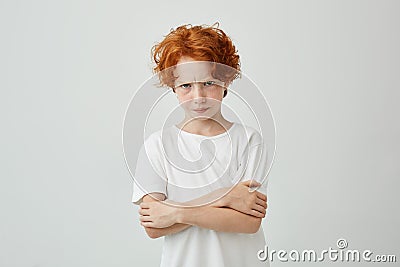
(239, 211)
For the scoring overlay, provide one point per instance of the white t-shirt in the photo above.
(184, 166)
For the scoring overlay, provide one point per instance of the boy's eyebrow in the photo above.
(207, 79)
(181, 82)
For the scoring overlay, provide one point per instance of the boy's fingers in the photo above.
(261, 203)
(144, 205)
(146, 224)
(259, 208)
(143, 218)
(261, 196)
(257, 214)
(144, 212)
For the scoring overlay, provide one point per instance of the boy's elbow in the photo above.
(254, 226)
(153, 233)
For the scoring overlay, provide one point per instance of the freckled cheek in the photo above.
(217, 95)
(184, 98)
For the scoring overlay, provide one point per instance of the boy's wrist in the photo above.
(177, 210)
(181, 215)
(226, 199)
(222, 198)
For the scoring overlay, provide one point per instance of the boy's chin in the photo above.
(201, 116)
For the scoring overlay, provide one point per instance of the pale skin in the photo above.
(240, 210)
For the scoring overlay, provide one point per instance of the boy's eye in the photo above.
(209, 83)
(185, 85)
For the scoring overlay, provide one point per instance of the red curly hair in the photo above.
(202, 43)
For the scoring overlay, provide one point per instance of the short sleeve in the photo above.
(149, 174)
(255, 166)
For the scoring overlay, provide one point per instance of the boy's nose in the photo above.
(198, 93)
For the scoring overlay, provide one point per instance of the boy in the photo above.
(193, 180)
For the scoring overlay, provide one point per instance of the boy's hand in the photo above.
(157, 214)
(240, 198)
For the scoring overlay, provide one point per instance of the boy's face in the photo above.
(198, 92)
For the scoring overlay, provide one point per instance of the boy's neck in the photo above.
(207, 127)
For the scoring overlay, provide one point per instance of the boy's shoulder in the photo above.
(160, 136)
(249, 133)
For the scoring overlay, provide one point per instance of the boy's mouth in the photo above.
(200, 110)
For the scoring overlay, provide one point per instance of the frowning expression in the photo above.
(198, 92)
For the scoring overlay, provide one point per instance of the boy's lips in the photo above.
(200, 110)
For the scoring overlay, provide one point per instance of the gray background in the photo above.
(329, 69)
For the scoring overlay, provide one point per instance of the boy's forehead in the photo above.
(193, 71)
